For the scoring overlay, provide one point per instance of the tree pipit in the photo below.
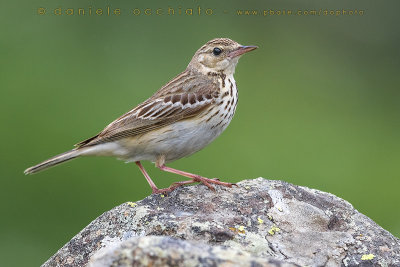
(181, 118)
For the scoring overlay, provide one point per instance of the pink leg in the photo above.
(195, 178)
(146, 175)
(154, 188)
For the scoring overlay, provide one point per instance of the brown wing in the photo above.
(185, 96)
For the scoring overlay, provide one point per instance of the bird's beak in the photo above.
(241, 50)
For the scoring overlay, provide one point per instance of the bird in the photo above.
(181, 118)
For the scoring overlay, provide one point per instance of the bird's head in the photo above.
(219, 55)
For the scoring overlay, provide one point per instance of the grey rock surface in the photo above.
(259, 223)
(167, 251)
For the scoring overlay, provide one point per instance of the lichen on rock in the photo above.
(261, 221)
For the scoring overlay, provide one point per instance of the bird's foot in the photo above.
(199, 179)
(207, 182)
(217, 179)
(162, 190)
(194, 178)
(172, 187)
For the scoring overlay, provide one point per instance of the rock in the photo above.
(259, 223)
(167, 251)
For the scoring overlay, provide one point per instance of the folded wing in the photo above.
(170, 104)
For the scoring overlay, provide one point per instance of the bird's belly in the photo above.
(174, 141)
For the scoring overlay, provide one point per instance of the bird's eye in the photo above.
(217, 51)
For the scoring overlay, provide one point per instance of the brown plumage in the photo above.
(159, 110)
(181, 118)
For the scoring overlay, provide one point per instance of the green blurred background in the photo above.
(319, 106)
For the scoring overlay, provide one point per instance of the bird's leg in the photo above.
(146, 175)
(194, 177)
(154, 188)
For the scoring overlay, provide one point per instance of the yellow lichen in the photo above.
(162, 195)
(239, 230)
(247, 187)
(279, 208)
(273, 230)
(132, 204)
(260, 221)
(367, 257)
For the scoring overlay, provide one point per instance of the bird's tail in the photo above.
(53, 161)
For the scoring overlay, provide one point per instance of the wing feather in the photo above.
(163, 108)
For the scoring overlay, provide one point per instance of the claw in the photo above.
(208, 185)
(172, 187)
(162, 191)
(195, 178)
